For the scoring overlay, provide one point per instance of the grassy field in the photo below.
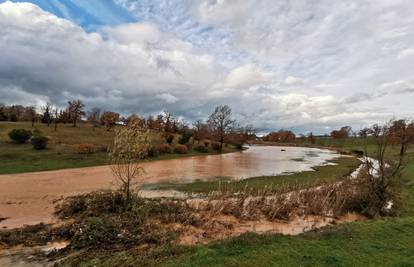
(60, 154)
(344, 166)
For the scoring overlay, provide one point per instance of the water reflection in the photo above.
(256, 161)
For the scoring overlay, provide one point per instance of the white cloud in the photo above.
(168, 98)
(277, 64)
(222, 11)
(51, 57)
(293, 81)
(244, 77)
(397, 87)
(409, 52)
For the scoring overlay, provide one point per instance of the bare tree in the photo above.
(402, 134)
(56, 117)
(311, 138)
(31, 114)
(93, 117)
(221, 123)
(168, 120)
(383, 173)
(47, 113)
(200, 131)
(75, 109)
(131, 144)
(109, 119)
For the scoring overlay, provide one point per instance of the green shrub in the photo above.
(215, 146)
(180, 149)
(164, 148)
(201, 148)
(39, 142)
(20, 136)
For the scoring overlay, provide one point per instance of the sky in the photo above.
(293, 64)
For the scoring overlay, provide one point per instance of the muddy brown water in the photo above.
(29, 198)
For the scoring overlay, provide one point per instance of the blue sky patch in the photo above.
(90, 14)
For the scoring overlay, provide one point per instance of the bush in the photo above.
(206, 143)
(20, 136)
(164, 148)
(93, 204)
(215, 146)
(102, 148)
(100, 232)
(189, 146)
(180, 149)
(201, 148)
(185, 137)
(153, 152)
(169, 138)
(39, 142)
(84, 148)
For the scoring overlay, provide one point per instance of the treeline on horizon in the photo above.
(220, 126)
(287, 136)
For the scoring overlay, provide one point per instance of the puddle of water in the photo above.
(162, 193)
(21, 256)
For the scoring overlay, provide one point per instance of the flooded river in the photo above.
(255, 161)
(29, 198)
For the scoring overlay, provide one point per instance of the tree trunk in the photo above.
(221, 142)
(402, 149)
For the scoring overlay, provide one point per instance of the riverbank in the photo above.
(150, 230)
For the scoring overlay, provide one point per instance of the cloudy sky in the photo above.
(294, 64)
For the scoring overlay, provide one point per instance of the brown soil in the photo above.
(225, 226)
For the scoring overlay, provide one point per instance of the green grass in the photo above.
(374, 243)
(60, 154)
(344, 166)
(16, 158)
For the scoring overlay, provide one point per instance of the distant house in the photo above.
(120, 123)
